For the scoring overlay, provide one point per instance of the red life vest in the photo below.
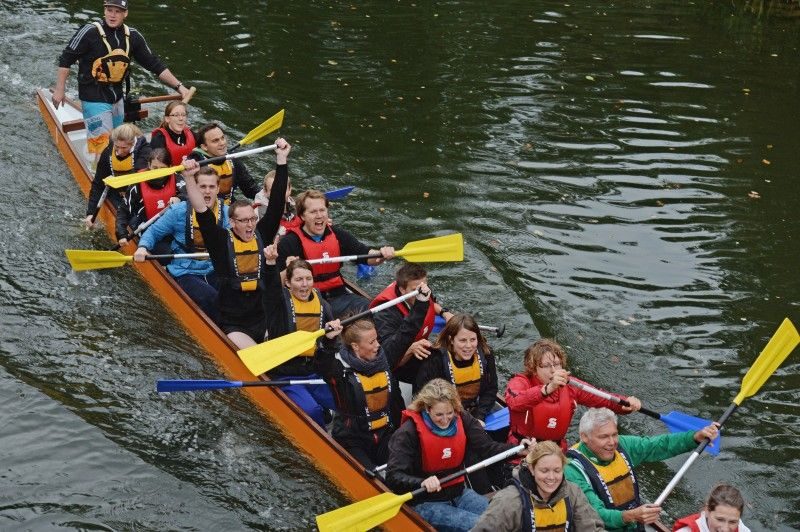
(288, 225)
(326, 276)
(176, 151)
(690, 521)
(391, 292)
(548, 420)
(440, 455)
(156, 199)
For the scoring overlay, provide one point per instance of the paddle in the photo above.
(190, 385)
(90, 259)
(147, 175)
(371, 512)
(448, 248)
(100, 201)
(497, 420)
(272, 123)
(166, 97)
(339, 193)
(780, 345)
(675, 421)
(264, 128)
(267, 355)
(439, 323)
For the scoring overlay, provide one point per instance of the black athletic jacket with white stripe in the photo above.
(87, 45)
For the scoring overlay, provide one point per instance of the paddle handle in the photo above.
(223, 158)
(345, 258)
(178, 256)
(380, 307)
(156, 99)
(139, 230)
(165, 385)
(100, 202)
(480, 465)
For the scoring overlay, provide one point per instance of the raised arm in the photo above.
(193, 194)
(269, 223)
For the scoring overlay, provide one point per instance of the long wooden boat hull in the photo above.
(341, 468)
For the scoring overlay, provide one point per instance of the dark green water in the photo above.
(598, 158)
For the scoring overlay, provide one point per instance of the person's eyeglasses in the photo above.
(178, 115)
(554, 365)
(252, 220)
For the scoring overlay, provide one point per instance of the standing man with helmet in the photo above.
(104, 51)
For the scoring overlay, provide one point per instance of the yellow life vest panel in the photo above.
(615, 483)
(225, 172)
(468, 379)
(246, 262)
(122, 166)
(552, 518)
(194, 237)
(376, 393)
(112, 67)
(306, 316)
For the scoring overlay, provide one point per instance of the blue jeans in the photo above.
(314, 399)
(459, 514)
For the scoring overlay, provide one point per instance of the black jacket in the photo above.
(87, 45)
(333, 371)
(141, 155)
(275, 308)
(404, 470)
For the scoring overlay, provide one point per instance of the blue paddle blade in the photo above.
(680, 422)
(497, 420)
(364, 271)
(339, 193)
(188, 386)
(438, 324)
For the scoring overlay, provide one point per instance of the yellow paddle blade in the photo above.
(780, 345)
(363, 515)
(448, 248)
(267, 355)
(265, 128)
(90, 259)
(140, 177)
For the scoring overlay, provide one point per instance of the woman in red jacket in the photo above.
(541, 403)
(721, 513)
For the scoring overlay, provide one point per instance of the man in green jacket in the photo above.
(602, 466)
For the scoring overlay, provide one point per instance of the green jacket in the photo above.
(639, 449)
